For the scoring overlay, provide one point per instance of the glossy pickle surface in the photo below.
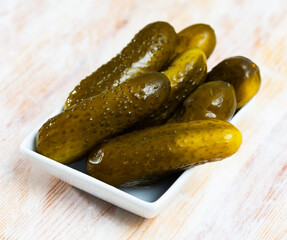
(185, 73)
(211, 100)
(143, 156)
(75, 131)
(242, 73)
(200, 36)
(148, 51)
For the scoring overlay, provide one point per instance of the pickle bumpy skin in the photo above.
(211, 100)
(144, 156)
(148, 51)
(75, 131)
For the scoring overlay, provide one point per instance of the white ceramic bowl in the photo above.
(145, 201)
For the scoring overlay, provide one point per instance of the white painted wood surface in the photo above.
(46, 47)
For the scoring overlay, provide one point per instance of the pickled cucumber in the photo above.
(143, 156)
(242, 73)
(200, 36)
(75, 131)
(148, 51)
(185, 74)
(210, 100)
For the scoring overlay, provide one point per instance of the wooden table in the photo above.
(49, 46)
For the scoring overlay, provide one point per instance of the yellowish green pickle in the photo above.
(148, 51)
(212, 100)
(242, 73)
(185, 73)
(75, 131)
(200, 36)
(143, 156)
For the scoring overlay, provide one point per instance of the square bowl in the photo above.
(145, 201)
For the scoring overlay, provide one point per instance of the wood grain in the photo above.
(47, 47)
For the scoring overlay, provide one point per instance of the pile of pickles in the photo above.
(154, 109)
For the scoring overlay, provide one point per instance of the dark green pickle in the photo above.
(185, 73)
(212, 100)
(242, 73)
(75, 131)
(144, 156)
(148, 51)
(200, 36)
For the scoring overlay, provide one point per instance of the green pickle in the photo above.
(78, 129)
(200, 36)
(185, 73)
(146, 155)
(148, 51)
(211, 100)
(242, 73)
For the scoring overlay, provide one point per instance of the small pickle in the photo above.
(242, 73)
(186, 73)
(78, 129)
(148, 51)
(200, 36)
(146, 155)
(212, 100)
